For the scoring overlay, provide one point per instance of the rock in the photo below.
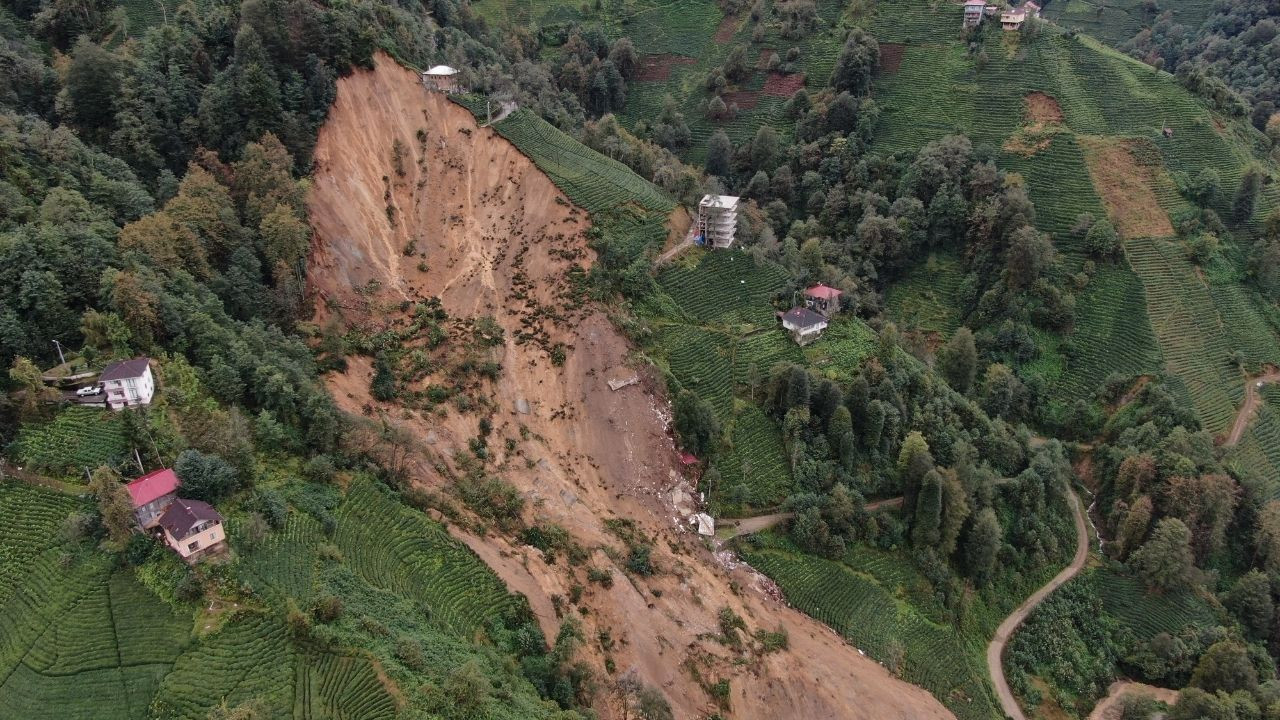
(522, 406)
(432, 438)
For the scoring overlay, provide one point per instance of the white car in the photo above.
(89, 391)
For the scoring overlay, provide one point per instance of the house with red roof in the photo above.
(151, 494)
(192, 528)
(823, 299)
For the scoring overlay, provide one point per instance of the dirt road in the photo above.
(745, 526)
(1108, 708)
(1250, 406)
(995, 651)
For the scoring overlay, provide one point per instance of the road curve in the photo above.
(1249, 406)
(995, 650)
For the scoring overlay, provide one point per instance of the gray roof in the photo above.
(182, 515)
(803, 317)
(124, 370)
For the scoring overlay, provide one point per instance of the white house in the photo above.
(804, 324)
(442, 78)
(718, 220)
(973, 10)
(128, 383)
(192, 528)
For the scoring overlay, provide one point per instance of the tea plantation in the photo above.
(83, 636)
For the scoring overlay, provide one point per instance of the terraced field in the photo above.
(867, 614)
(77, 438)
(756, 459)
(1148, 614)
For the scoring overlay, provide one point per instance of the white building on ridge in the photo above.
(718, 220)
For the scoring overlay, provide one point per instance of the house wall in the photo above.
(204, 540)
(148, 514)
(131, 391)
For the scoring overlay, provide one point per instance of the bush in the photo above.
(205, 477)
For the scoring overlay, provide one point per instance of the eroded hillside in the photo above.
(413, 200)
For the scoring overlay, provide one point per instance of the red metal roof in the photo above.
(688, 458)
(151, 486)
(822, 292)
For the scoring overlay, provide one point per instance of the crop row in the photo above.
(1189, 329)
(726, 288)
(77, 438)
(249, 658)
(1109, 335)
(699, 360)
(756, 460)
(395, 548)
(285, 562)
(932, 655)
(1059, 184)
(339, 686)
(925, 298)
(1149, 614)
(591, 180)
(916, 21)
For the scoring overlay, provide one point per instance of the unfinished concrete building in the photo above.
(717, 220)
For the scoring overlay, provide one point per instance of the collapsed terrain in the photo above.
(412, 200)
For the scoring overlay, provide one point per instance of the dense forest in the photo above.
(154, 201)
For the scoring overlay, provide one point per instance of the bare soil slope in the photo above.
(498, 239)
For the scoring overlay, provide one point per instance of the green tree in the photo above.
(764, 148)
(205, 477)
(958, 360)
(1225, 666)
(1246, 199)
(858, 60)
(696, 424)
(955, 513)
(1003, 394)
(1101, 239)
(383, 385)
(93, 85)
(927, 525)
(113, 504)
(28, 378)
(982, 546)
(840, 435)
(719, 154)
(1165, 562)
(1250, 600)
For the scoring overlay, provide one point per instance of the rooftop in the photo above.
(803, 317)
(151, 486)
(182, 515)
(727, 202)
(126, 369)
(823, 292)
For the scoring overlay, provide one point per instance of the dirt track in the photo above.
(1249, 406)
(1108, 708)
(995, 650)
(482, 222)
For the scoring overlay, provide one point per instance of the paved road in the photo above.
(1249, 406)
(995, 651)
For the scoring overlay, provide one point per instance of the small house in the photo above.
(151, 494)
(823, 299)
(128, 383)
(973, 10)
(441, 78)
(1031, 9)
(717, 220)
(1013, 19)
(804, 324)
(192, 528)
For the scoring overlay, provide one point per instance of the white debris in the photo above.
(617, 385)
(706, 524)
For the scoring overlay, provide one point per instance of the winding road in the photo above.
(1249, 406)
(995, 651)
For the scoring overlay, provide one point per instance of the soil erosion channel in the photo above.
(409, 192)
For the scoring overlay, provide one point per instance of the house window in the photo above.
(213, 536)
(193, 546)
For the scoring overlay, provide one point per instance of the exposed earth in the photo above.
(468, 218)
(1249, 407)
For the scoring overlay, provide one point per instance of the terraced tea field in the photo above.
(870, 616)
(77, 438)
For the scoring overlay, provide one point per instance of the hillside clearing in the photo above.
(1127, 188)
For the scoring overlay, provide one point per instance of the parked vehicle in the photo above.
(89, 391)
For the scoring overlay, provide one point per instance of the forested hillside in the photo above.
(457, 391)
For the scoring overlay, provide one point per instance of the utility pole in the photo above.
(61, 359)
